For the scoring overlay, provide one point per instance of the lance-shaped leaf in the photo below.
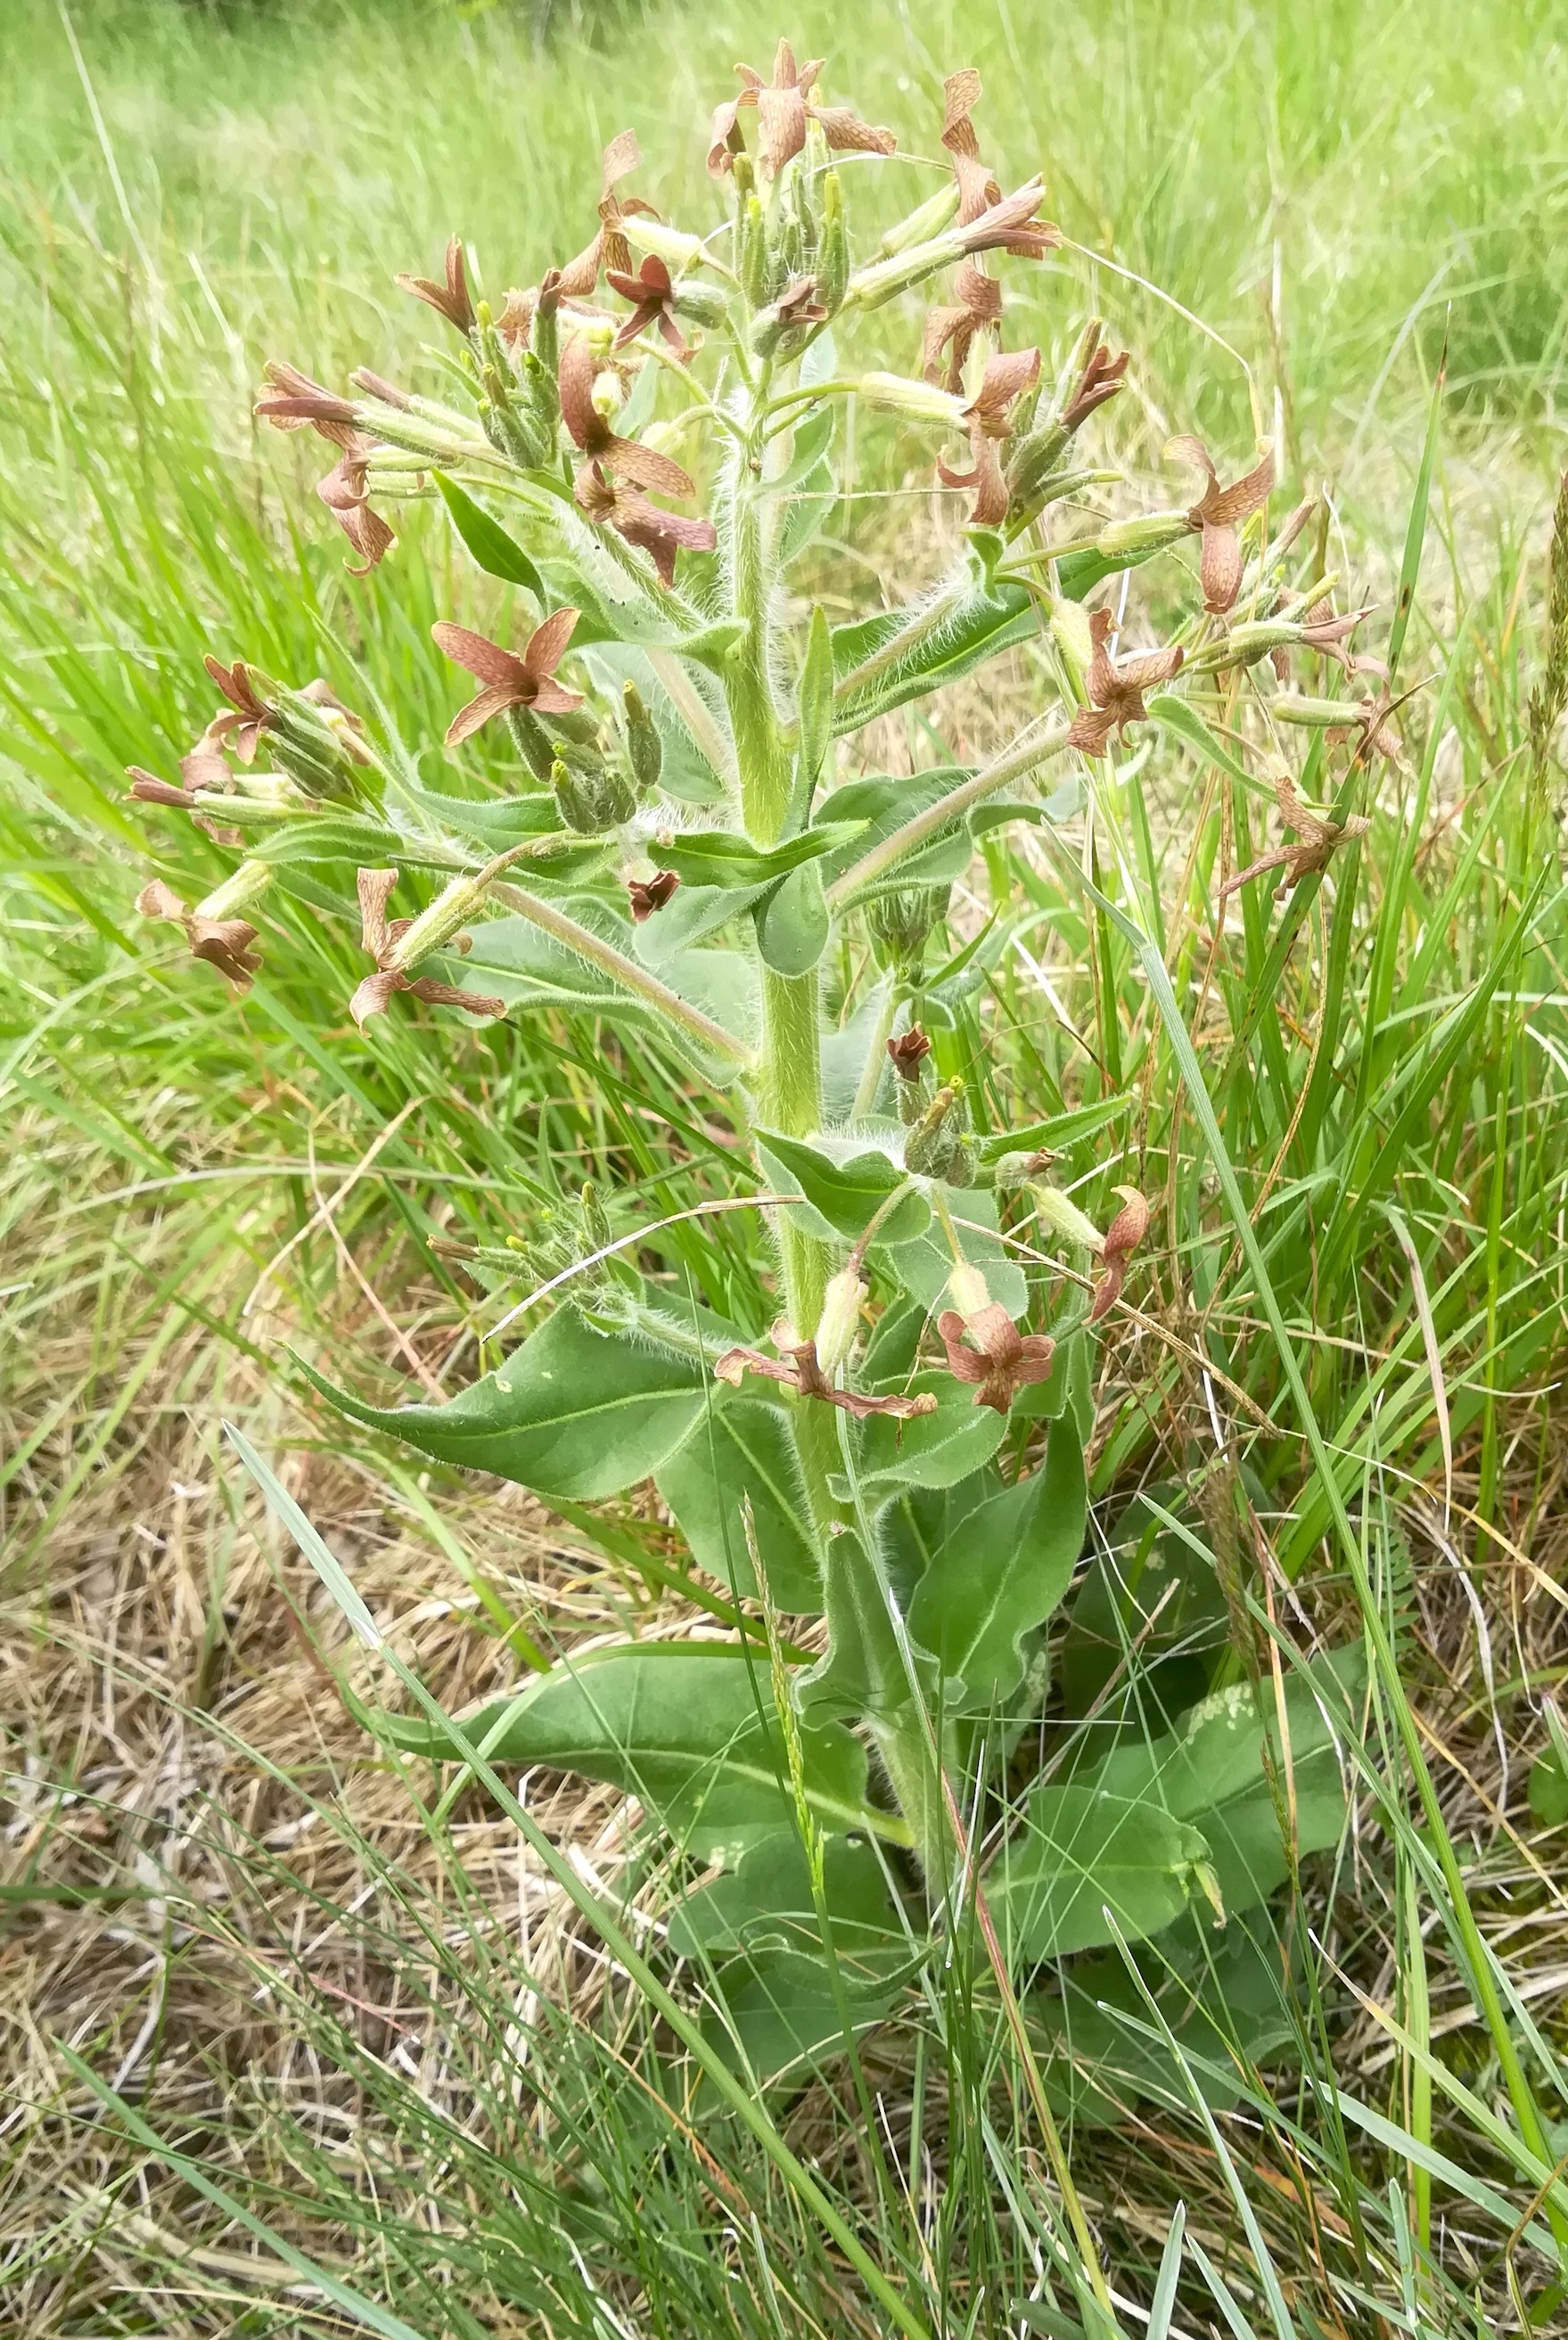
(1056, 1134)
(1212, 1771)
(360, 843)
(1086, 1865)
(715, 858)
(743, 1451)
(690, 1731)
(570, 1413)
(845, 1181)
(906, 658)
(498, 554)
(766, 1902)
(999, 1575)
(1154, 1587)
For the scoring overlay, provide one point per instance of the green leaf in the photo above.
(931, 1450)
(688, 917)
(1000, 1575)
(1154, 1588)
(690, 1731)
(570, 1413)
(715, 858)
(1549, 1789)
(364, 843)
(981, 624)
(815, 701)
(1083, 1852)
(793, 923)
(530, 969)
(497, 553)
(862, 1672)
(844, 1181)
(813, 437)
(743, 1447)
(782, 2013)
(1221, 1992)
(766, 1902)
(1210, 1771)
(1062, 1130)
(1173, 714)
(494, 821)
(883, 803)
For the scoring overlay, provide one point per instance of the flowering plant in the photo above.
(687, 852)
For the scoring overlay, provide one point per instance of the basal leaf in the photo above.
(781, 2014)
(1081, 1853)
(572, 1412)
(691, 1732)
(744, 1449)
(766, 1902)
(999, 1575)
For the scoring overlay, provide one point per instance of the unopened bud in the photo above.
(608, 395)
(840, 1321)
(446, 917)
(643, 744)
(1064, 1219)
(753, 270)
(922, 401)
(1150, 533)
(532, 742)
(539, 400)
(593, 796)
(1317, 714)
(704, 305)
(901, 922)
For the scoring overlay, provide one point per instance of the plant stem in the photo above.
(624, 971)
(1036, 746)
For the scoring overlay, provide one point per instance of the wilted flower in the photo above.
(1010, 225)
(221, 941)
(345, 494)
(508, 680)
(978, 297)
(1100, 379)
(295, 403)
(907, 1053)
(653, 530)
(1116, 687)
(1122, 1238)
(652, 292)
(1002, 1361)
(450, 300)
(1321, 630)
(785, 104)
(988, 415)
(1220, 513)
(796, 1368)
(650, 894)
(609, 248)
(380, 938)
(1318, 833)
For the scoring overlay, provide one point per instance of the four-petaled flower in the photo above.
(451, 299)
(378, 935)
(1318, 833)
(294, 402)
(1116, 687)
(1007, 374)
(223, 943)
(247, 713)
(1220, 512)
(508, 680)
(609, 248)
(796, 1368)
(652, 293)
(601, 495)
(1122, 1237)
(784, 106)
(650, 894)
(1002, 1361)
(651, 528)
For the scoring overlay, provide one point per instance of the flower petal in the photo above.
(493, 700)
(374, 887)
(484, 660)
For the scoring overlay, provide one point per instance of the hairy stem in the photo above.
(624, 971)
(1040, 742)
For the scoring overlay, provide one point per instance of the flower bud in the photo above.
(539, 401)
(922, 401)
(704, 305)
(1064, 1219)
(922, 225)
(833, 246)
(1317, 714)
(592, 796)
(446, 917)
(840, 1321)
(595, 1224)
(901, 922)
(754, 258)
(933, 1144)
(1149, 533)
(315, 742)
(643, 744)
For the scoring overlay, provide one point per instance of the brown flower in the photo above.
(609, 248)
(508, 680)
(1010, 225)
(643, 466)
(784, 106)
(1378, 735)
(908, 1052)
(295, 403)
(977, 308)
(650, 894)
(377, 935)
(250, 714)
(1323, 630)
(1220, 513)
(1002, 1361)
(648, 526)
(1319, 835)
(652, 293)
(1100, 379)
(450, 300)
(796, 1368)
(1116, 687)
(1123, 1237)
(223, 943)
(1007, 376)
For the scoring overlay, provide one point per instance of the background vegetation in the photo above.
(365, 2027)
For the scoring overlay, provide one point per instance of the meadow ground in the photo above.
(356, 2031)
